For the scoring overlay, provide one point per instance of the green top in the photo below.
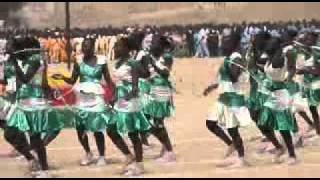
(91, 73)
(126, 85)
(33, 89)
(230, 95)
(308, 78)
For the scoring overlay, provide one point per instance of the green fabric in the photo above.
(94, 118)
(123, 89)
(144, 89)
(256, 101)
(232, 99)
(144, 86)
(313, 96)
(64, 115)
(275, 118)
(93, 121)
(33, 88)
(36, 121)
(9, 70)
(308, 78)
(159, 109)
(278, 120)
(131, 122)
(91, 74)
(158, 80)
(128, 121)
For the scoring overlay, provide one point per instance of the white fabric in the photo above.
(89, 87)
(229, 117)
(133, 105)
(122, 73)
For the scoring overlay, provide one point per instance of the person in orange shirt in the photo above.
(62, 49)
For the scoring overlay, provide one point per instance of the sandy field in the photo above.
(197, 149)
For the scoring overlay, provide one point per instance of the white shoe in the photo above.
(135, 170)
(239, 163)
(101, 161)
(87, 160)
(226, 162)
(292, 161)
(20, 157)
(168, 157)
(277, 156)
(231, 149)
(42, 174)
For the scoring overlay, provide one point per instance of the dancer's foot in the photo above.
(33, 165)
(299, 142)
(230, 150)
(168, 157)
(42, 174)
(14, 153)
(162, 152)
(312, 140)
(238, 163)
(20, 157)
(128, 161)
(87, 160)
(292, 161)
(225, 162)
(101, 161)
(136, 169)
(277, 155)
(310, 134)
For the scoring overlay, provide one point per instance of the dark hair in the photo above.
(273, 45)
(135, 40)
(91, 40)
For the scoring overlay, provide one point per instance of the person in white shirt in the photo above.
(204, 51)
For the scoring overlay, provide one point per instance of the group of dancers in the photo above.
(141, 100)
(283, 73)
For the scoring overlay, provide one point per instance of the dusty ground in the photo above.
(197, 149)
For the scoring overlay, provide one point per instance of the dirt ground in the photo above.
(197, 149)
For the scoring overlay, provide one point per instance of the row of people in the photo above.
(142, 99)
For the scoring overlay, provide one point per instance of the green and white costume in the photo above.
(258, 92)
(230, 109)
(128, 114)
(160, 103)
(277, 112)
(91, 111)
(8, 99)
(311, 82)
(144, 84)
(299, 101)
(30, 112)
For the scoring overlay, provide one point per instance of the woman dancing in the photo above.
(129, 117)
(277, 112)
(160, 100)
(91, 112)
(30, 113)
(230, 109)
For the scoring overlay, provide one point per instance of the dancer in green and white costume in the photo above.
(30, 113)
(277, 112)
(160, 102)
(128, 115)
(91, 112)
(229, 110)
(310, 70)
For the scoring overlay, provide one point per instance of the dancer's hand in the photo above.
(58, 76)
(209, 89)
(206, 91)
(300, 71)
